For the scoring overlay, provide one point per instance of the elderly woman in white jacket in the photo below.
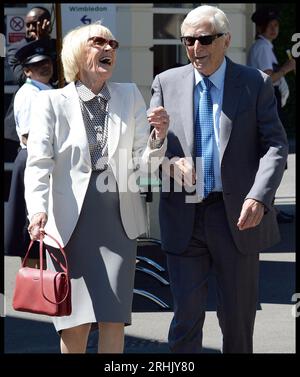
(86, 142)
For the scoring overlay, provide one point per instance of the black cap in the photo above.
(33, 52)
(264, 15)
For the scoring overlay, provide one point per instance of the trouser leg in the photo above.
(237, 277)
(188, 275)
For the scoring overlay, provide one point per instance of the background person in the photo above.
(38, 27)
(261, 56)
(79, 134)
(35, 58)
(224, 115)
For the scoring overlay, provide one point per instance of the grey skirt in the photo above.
(101, 261)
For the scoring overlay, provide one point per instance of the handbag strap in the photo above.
(65, 268)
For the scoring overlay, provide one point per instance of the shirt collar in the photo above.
(260, 36)
(85, 94)
(38, 84)
(217, 78)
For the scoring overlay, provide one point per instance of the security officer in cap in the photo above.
(32, 53)
(35, 58)
(38, 27)
(261, 56)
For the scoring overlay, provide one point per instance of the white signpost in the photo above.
(73, 15)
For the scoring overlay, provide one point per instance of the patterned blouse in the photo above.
(94, 108)
(95, 117)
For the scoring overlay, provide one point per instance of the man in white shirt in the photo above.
(35, 58)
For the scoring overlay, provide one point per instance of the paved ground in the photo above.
(275, 325)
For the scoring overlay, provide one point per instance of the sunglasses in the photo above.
(203, 39)
(99, 41)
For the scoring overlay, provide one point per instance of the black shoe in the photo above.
(285, 218)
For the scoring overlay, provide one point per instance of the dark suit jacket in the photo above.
(253, 152)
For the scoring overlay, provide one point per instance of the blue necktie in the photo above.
(204, 133)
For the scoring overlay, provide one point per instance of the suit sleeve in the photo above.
(143, 152)
(40, 161)
(274, 146)
(157, 94)
(157, 99)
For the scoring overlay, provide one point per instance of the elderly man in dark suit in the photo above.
(225, 141)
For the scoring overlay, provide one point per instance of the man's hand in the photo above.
(159, 119)
(37, 224)
(251, 214)
(42, 29)
(38, 29)
(181, 170)
(288, 66)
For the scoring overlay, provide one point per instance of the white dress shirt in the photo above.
(261, 56)
(24, 102)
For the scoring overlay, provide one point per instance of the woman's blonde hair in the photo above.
(75, 42)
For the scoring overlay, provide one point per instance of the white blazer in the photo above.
(58, 167)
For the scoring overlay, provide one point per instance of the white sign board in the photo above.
(74, 15)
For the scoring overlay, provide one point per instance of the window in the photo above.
(167, 48)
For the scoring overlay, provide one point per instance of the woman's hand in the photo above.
(37, 224)
(159, 119)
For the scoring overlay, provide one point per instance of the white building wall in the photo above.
(135, 34)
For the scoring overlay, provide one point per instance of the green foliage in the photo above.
(287, 28)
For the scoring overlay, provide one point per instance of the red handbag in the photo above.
(43, 291)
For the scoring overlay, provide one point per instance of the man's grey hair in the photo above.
(214, 15)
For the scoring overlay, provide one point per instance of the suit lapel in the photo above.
(231, 97)
(114, 119)
(185, 88)
(73, 114)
